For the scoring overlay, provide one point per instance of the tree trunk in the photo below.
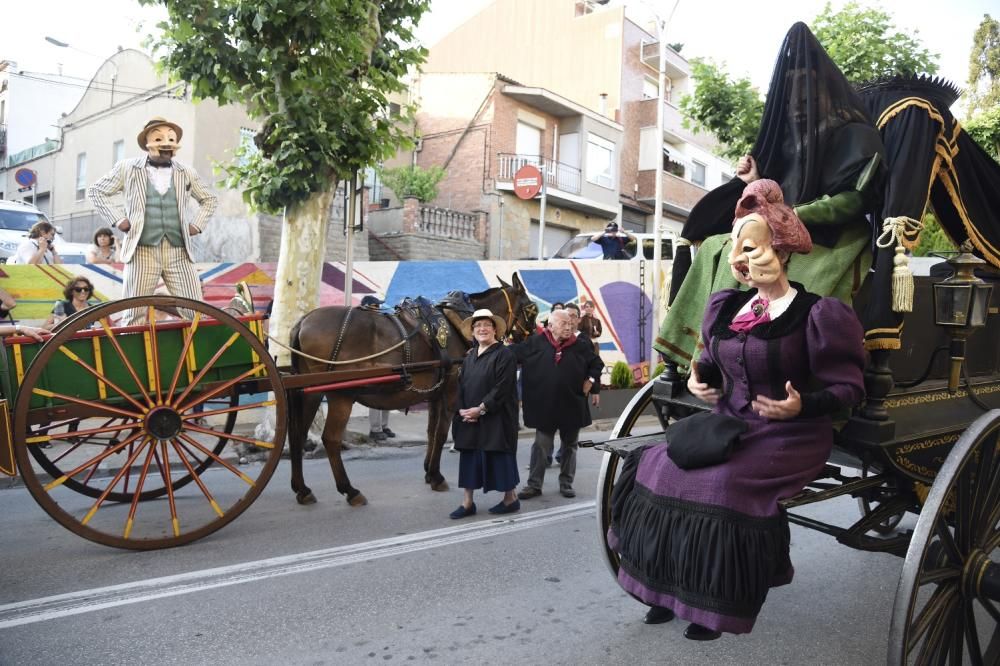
(300, 266)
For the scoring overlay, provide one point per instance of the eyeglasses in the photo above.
(82, 290)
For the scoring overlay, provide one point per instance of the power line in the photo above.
(94, 85)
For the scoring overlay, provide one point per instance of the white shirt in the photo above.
(27, 249)
(775, 308)
(160, 177)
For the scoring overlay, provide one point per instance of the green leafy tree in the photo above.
(729, 109)
(866, 45)
(621, 375)
(984, 128)
(317, 75)
(412, 181)
(984, 67)
(932, 238)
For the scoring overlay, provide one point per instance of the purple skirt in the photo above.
(709, 543)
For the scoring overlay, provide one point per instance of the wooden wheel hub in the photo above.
(163, 423)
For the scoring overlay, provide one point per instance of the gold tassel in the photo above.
(903, 232)
(902, 282)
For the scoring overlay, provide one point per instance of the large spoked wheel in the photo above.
(123, 434)
(947, 607)
(64, 438)
(610, 468)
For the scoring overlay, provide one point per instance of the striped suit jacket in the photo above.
(130, 178)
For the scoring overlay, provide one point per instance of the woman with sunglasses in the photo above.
(77, 293)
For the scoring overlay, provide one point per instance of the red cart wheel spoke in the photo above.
(227, 410)
(130, 521)
(100, 500)
(197, 479)
(182, 360)
(154, 352)
(204, 371)
(93, 462)
(109, 335)
(164, 467)
(238, 438)
(246, 479)
(101, 378)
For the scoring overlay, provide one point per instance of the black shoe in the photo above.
(529, 493)
(388, 433)
(377, 436)
(696, 632)
(462, 512)
(658, 615)
(567, 491)
(506, 508)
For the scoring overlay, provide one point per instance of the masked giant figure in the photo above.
(818, 142)
(153, 215)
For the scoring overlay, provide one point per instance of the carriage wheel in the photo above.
(947, 607)
(866, 506)
(142, 438)
(610, 467)
(64, 439)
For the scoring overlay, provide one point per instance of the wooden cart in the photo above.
(126, 435)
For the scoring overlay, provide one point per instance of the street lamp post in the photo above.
(65, 45)
(655, 296)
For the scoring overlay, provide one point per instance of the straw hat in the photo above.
(154, 123)
(498, 323)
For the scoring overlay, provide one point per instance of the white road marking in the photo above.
(87, 601)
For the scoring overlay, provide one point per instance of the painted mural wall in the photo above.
(620, 297)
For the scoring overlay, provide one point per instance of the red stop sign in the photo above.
(527, 182)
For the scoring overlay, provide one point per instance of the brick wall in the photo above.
(336, 242)
(422, 247)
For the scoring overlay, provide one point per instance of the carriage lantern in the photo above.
(960, 306)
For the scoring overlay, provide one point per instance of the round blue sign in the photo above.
(25, 177)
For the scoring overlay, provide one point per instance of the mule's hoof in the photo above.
(305, 498)
(440, 486)
(358, 500)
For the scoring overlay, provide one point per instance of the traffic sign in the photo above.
(26, 189)
(25, 177)
(527, 182)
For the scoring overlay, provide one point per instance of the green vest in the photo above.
(162, 219)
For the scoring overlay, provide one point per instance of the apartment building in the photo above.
(597, 58)
(100, 128)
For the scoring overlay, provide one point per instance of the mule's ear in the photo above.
(502, 283)
(517, 282)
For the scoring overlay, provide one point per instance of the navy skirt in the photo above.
(489, 470)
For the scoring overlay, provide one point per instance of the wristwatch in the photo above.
(482, 408)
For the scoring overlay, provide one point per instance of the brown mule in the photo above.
(354, 333)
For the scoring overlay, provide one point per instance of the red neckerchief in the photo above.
(559, 346)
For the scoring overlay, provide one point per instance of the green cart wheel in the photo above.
(125, 434)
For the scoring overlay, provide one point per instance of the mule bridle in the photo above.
(514, 319)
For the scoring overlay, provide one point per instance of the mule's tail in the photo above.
(295, 345)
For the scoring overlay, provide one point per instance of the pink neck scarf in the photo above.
(757, 315)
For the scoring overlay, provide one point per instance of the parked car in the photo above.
(581, 247)
(17, 218)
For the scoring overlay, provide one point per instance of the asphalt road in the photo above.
(397, 581)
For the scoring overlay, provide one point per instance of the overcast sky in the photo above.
(744, 35)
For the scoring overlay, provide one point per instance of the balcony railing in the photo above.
(3, 140)
(447, 223)
(557, 175)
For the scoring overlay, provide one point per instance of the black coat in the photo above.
(552, 393)
(490, 379)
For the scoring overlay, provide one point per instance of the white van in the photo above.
(581, 247)
(17, 218)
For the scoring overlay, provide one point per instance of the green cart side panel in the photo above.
(63, 375)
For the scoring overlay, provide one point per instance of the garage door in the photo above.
(554, 238)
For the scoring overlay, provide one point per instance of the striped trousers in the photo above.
(149, 264)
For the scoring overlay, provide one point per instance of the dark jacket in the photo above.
(552, 393)
(490, 379)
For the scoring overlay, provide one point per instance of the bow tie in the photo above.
(758, 315)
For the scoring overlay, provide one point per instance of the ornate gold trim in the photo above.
(938, 396)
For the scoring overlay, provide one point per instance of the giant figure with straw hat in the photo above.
(153, 214)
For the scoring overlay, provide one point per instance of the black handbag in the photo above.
(703, 439)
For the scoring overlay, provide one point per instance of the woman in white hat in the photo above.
(485, 427)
